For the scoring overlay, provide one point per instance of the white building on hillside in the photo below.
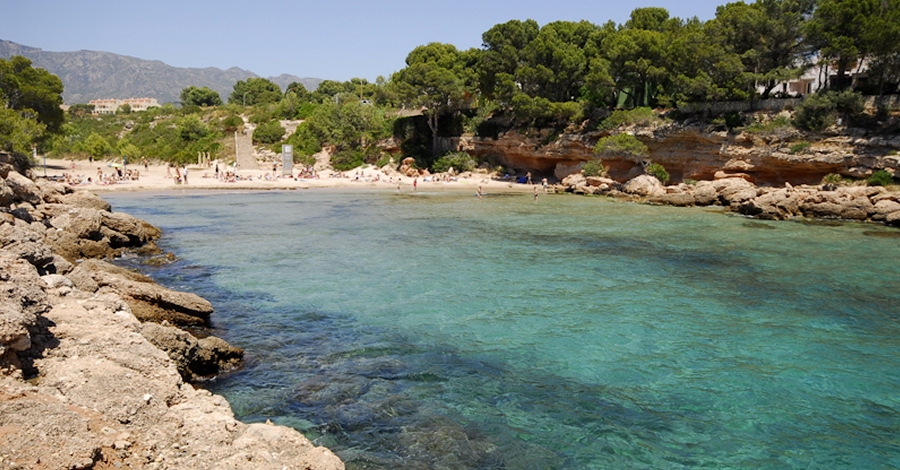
(111, 105)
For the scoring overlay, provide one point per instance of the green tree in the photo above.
(638, 62)
(838, 31)
(19, 132)
(191, 128)
(501, 58)
(23, 87)
(255, 91)
(434, 81)
(193, 96)
(555, 63)
(766, 35)
(268, 133)
(97, 146)
(621, 145)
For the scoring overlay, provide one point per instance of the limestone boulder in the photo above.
(780, 204)
(6, 194)
(680, 199)
(22, 299)
(574, 180)
(704, 193)
(853, 205)
(87, 200)
(148, 301)
(893, 219)
(195, 359)
(646, 186)
(883, 208)
(136, 231)
(82, 222)
(51, 190)
(23, 189)
(25, 241)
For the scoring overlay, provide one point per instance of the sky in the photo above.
(325, 39)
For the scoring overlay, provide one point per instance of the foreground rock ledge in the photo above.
(83, 383)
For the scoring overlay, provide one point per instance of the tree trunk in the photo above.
(433, 125)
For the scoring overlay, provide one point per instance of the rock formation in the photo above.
(689, 151)
(83, 383)
(860, 203)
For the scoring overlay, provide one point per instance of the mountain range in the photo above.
(88, 75)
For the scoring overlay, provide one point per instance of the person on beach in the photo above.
(528, 178)
(415, 184)
(185, 174)
(545, 184)
(479, 193)
(535, 194)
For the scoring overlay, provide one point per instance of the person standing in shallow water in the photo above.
(415, 184)
(535, 193)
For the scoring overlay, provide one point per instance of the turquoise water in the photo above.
(439, 331)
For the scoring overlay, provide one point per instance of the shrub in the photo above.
(815, 113)
(880, 178)
(819, 111)
(459, 161)
(621, 144)
(800, 147)
(831, 181)
(659, 172)
(620, 117)
(232, 123)
(594, 168)
(268, 133)
(347, 159)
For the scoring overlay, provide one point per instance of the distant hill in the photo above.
(88, 75)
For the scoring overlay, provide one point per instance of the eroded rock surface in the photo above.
(83, 383)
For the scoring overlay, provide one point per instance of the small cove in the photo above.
(439, 331)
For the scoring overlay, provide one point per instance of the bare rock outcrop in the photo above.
(104, 390)
(148, 301)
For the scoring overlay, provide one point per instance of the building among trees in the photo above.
(112, 105)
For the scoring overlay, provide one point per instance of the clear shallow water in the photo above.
(438, 331)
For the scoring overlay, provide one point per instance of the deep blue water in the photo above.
(439, 331)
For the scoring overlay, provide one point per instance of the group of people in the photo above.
(181, 173)
(116, 176)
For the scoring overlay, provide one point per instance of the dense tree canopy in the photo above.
(255, 91)
(24, 87)
(203, 96)
(434, 80)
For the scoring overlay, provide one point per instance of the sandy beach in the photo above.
(158, 177)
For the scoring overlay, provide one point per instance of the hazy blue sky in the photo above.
(328, 39)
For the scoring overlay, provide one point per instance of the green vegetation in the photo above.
(268, 133)
(200, 97)
(642, 116)
(594, 168)
(832, 180)
(880, 178)
(800, 147)
(459, 161)
(659, 172)
(621, 145)
(30, 113)
(819, 111)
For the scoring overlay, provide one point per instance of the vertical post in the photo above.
(235, 147)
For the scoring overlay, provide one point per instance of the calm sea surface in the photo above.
(439, 331)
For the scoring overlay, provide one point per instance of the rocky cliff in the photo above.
(690, 151)
(83, 382)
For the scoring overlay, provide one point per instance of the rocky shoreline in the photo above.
(736, 194)
(94, 369)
